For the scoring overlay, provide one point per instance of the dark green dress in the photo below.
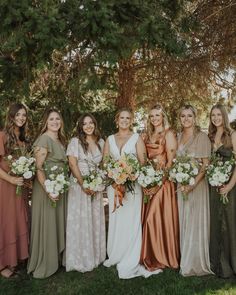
(47, 242)
(223, 228)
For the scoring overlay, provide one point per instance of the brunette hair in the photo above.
(194, 111)
(226, 136)
(125, 109)
(81, 134)
(11, 142)
(150, 127)
(61, 134)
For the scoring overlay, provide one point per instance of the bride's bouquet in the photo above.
(57, 182)
(219, 172)
(149, 177)
(123, 173)
(24, 166)
(95, 180)
(183, 171)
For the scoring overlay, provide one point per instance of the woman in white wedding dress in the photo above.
(85, 233)
(125, 231)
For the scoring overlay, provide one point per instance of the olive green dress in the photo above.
(48, 227)
(223, 228)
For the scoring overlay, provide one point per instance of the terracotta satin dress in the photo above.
(160, 241)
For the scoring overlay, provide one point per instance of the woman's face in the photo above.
(156, 117)
(187, 118)
(124, 120)
(216, 118)
(88, 126)
(54, 122)
(20, 118)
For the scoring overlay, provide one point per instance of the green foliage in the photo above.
(105, 281)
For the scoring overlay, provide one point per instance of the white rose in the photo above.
(54, 168)
(9, 157)
(22, 160)
(27, 174)
(148, 180)
(191, 181)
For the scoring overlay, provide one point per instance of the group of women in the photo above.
(196, 235)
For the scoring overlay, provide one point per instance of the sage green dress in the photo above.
(223, 228)
(47, 241)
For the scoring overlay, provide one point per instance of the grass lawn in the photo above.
(105, 281)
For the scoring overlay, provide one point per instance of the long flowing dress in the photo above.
(194, 215)
(48, 223)
(13, 219)
(125, 230)
(160, 243)
(85, 233)
(223, 228)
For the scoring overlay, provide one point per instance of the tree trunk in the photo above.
(126, 86)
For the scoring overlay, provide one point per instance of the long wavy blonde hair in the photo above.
(150, 127)
(43, 129)
(226, 136)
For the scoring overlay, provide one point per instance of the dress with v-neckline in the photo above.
(124, 145)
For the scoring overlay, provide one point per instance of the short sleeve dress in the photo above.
(194, 215)
(13, 219)
(48, 223)
(85, 234)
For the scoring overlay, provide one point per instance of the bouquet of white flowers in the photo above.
(219, 172)
(57, 182)
(150, 177)
(183, 171)
(23, 166)
(95, 180)
(122, 172)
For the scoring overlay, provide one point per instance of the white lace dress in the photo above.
(125, 231)
(85, 234)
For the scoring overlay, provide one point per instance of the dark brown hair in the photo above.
(61, 134)
(10, 126)
(81, 134)
(226, 136)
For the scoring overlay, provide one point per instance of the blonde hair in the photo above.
(226, 136)
(194, 111)
(150, 127)
(117, 115)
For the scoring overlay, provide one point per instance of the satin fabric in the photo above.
(160, 223)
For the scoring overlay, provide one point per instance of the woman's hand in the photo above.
(53, 198)
(88, 191)
(19, 181)
(186, 189)
(225, 189)
(151, 191)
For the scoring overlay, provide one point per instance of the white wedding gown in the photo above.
(125, 230)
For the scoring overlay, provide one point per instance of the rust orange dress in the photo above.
(160, 222)
(13, 219)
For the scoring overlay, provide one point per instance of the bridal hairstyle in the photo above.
(125, 109)
(10, 126)
(150, 127)
(226, 136)
(193, 110)
(61, 134)
(82, 136)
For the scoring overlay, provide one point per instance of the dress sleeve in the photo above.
(203, 146)
(44, 142)
(2, 142)
(101, 143)
(73, 148)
